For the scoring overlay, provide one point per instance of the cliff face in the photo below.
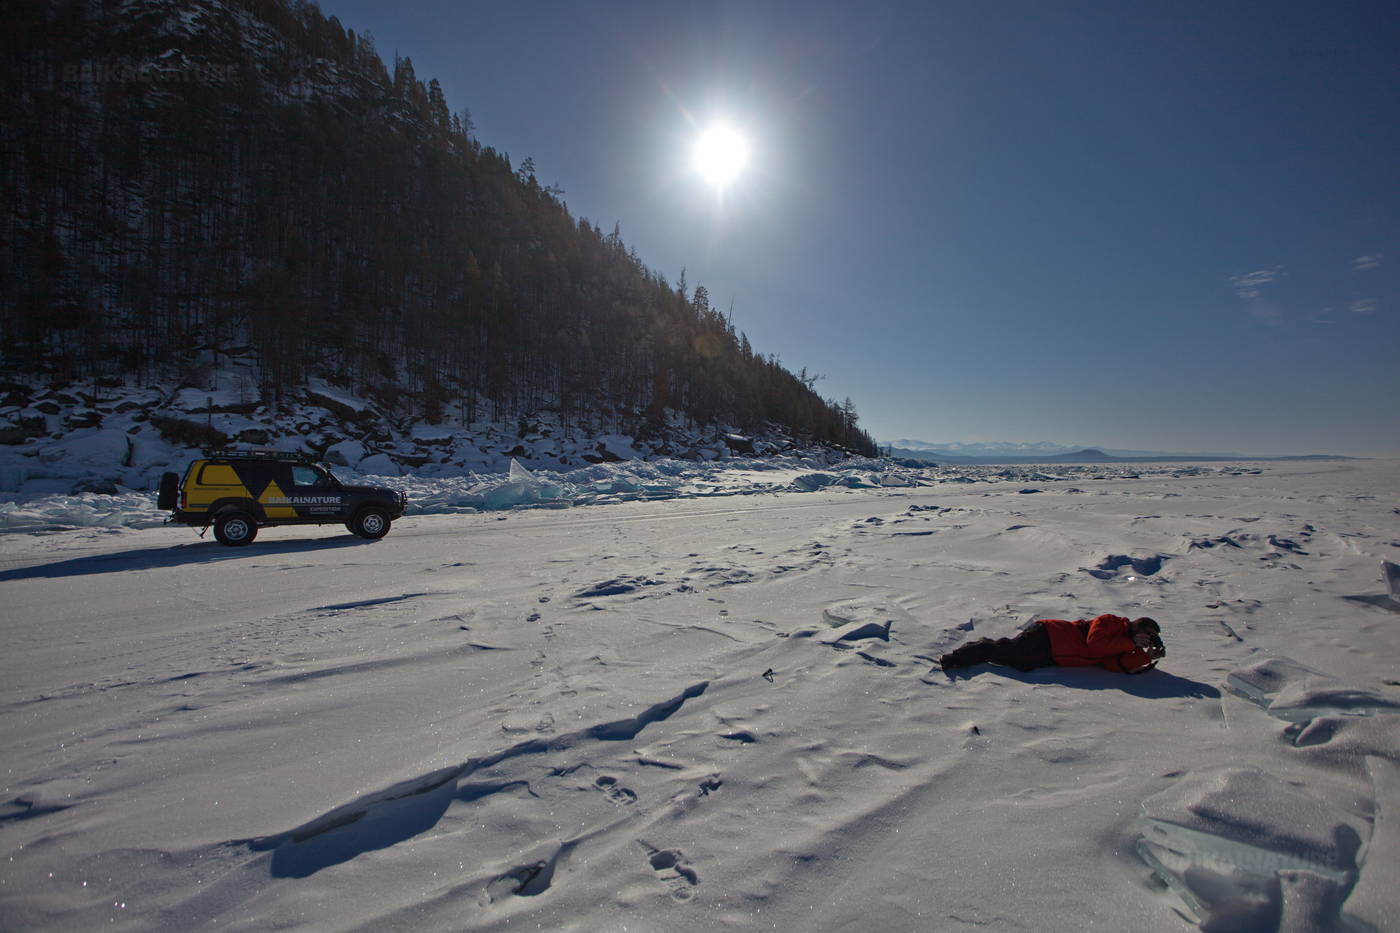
(186, 179)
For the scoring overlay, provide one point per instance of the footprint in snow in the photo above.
(672, 870)
(615, 791)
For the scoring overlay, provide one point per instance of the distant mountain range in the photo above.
(1046, 452)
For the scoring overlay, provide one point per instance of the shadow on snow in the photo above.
(204, 552)
(1154, 685)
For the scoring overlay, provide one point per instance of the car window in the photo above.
(309, 476)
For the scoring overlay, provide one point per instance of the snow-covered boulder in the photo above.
(379, 465)
(349, 453)
(624, 445)
(740, 444)
(432, 435)
(337, 401)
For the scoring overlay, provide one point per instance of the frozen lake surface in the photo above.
(708, 712)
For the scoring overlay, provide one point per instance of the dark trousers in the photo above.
(1025, 652)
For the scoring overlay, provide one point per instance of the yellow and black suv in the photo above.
(240, 491)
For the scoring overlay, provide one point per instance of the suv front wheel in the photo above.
(371, 523)
(235, 529)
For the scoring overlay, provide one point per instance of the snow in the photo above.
(619, 445)
(47, 499)
(338, 396)
(1375, 901)
(379, 465)
(347, 454)
(674, 695)
(199, 401)
(1295, 692)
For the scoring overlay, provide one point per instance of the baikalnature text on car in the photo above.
(240, 491)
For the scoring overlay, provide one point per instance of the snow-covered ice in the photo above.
(1221, 839)
(1295, 692)
(673, 695)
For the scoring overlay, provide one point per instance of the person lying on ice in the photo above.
(1108, 640)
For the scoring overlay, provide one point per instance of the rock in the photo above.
(614, 448)
(347, 453)
(255, 436)
(334, 405)
(739, 444)
(24, 430)
(101, 487)
(83, 419)
(380, 465)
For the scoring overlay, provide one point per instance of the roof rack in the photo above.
(258, 454)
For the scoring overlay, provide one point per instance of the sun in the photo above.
(720, 154)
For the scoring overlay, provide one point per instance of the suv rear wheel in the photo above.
(235, 529)
(371, 523)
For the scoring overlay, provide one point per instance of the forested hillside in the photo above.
(181, 179)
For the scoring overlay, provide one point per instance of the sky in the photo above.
(1159, 226)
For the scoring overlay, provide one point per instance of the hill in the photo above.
(186, 179)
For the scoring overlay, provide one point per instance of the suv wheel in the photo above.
(371, 523)
(235, 529)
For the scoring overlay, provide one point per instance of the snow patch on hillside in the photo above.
(90, 456)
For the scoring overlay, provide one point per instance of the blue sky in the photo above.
(1169, 226)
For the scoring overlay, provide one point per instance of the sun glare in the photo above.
(720, 154)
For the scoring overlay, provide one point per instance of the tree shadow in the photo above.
(204, 552)
(1156, 684)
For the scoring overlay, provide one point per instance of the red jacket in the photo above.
(1104, 640)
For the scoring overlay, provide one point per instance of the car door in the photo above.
(271, 482)
(315, 493)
